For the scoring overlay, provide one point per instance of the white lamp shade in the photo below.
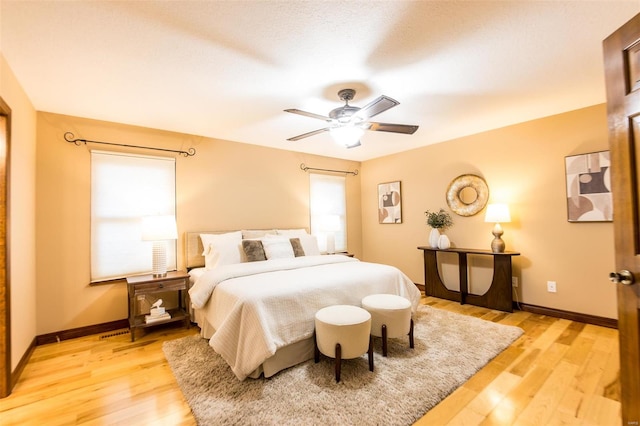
(497, 213)
(158, 228)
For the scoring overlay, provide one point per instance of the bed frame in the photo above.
(284, 357)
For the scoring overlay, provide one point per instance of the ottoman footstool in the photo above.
(343, 332)
(390, 317)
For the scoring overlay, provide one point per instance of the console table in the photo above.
(498, 296)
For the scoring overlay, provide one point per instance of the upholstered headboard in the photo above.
(193, 244)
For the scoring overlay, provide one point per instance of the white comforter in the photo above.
(259, 307)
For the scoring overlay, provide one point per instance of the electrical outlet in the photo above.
(551, 286)
(514, 281)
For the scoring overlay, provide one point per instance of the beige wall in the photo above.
(22, 210)
(231, 185)
(523, 166)
(224, 186)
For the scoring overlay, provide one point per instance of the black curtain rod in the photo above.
(69, 137)
(305, 168)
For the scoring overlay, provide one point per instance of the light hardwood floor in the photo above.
(558, 372)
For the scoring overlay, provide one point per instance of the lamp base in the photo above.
(331, 243)
(497, 245)
(159, 254)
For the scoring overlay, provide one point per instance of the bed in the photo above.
(258, 311)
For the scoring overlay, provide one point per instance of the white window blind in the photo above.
(124, 188)
(328, 209)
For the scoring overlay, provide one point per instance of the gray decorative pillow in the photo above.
(297, 247)
(253, 250)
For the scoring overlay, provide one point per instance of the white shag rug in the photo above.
(449, 349)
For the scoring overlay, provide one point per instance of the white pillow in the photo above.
(221, 249)
(276, 247)
(309, 244)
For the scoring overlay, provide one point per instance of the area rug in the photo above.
(449, 349)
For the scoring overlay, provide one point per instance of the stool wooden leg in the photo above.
(316, 351)
(384, 340)
(370, 353)
(411, 335)
(338, 360)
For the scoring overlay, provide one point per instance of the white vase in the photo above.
(444, 242)
(434, 236)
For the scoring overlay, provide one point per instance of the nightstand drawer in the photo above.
(159, 286)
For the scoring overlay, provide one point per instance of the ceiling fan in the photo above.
(347, 123)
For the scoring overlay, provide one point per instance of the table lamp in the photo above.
(159, 229)
(330, 225)
(497, 213)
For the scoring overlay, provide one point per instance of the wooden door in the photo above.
(622, 75)
(5, 305)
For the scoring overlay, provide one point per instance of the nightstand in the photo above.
(141, 285)
(344, 253)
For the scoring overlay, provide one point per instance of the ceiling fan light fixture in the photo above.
(347, 136)
(347, 123)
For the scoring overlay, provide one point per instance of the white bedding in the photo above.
(257, 308)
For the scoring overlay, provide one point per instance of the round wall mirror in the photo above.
(467, 195)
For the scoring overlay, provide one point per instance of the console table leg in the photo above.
(433, 283)
(463, 273)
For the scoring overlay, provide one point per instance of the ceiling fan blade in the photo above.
(306, 135)
(393, 128)
(375, 107)
(308, 114)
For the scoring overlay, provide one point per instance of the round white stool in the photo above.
(390, 317)
(343, 332)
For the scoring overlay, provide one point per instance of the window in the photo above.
(124, 188)
(328, 209)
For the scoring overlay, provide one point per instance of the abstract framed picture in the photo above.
(389, 202)
(589, 196)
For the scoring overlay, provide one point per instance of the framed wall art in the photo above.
(389, 202)
(589, 196)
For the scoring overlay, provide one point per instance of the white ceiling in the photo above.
(228, 69)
